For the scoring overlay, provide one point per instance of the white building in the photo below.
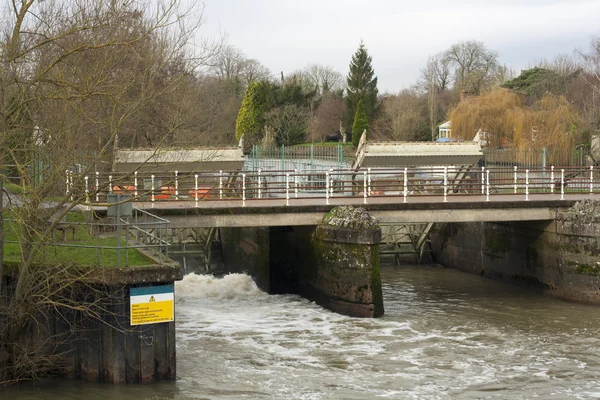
(445, 130)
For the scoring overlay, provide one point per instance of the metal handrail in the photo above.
(156, 242)
(365, 183)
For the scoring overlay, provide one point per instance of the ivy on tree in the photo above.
(361, 86)
(251, 120)
(361, 123)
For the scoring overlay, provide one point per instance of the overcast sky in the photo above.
(286, 35)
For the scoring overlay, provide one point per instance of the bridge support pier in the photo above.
(335, 264)
(345, 277)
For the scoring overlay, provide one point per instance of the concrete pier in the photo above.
(335, 264)
(346, 275)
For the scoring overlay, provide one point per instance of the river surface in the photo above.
(445, 335)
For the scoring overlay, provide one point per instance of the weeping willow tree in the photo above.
(506, 122)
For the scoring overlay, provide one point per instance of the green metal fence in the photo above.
(300, 158)
(533, 158)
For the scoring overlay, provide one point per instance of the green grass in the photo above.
(13, 188)
(57, 253)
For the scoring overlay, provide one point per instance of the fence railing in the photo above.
(306, 158)
(447, 181)
(534, 158)
(111, 238)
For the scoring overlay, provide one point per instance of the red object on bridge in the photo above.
(120, 189)
(203, 193)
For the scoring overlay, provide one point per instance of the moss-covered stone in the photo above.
(346, 276)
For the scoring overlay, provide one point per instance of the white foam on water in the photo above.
(208, 286)
(283, 346)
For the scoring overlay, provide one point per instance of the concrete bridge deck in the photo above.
(388, 209)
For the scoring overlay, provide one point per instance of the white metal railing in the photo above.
(366, 183)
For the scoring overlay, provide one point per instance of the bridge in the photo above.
(405, 195)
(270, 223)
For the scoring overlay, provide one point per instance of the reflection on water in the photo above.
(445, 335)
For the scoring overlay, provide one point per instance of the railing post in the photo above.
(526, 185)
(220, 185)
(296, 183)
(562, 184)
(552, 179)
(591, 179)
(287, 189)
(405, 183)
(176, 185)
(327, 188)
(71, 179)
(445, 184)
(152, 187)
(330, 182)
(243, 190)
(259, 185)
(97, 188)
(487, 196)
(515, 179)
(196, 189)
(482, 180)
(369, 181)
(364, 187)
(135, 184)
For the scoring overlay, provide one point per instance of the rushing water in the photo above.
(445, 335)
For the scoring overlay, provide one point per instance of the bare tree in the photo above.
(437, 73)
(435, 79)
(563, 64)
(327, 118)
(474, 65)
(403, 117)
(76, 76)
(324, 78)
(230, 63)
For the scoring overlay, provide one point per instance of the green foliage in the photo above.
(290, 123)
(251, 120)
(361, 85)
(284, 108)
(360, 123)
(292, 93)
(536, 82)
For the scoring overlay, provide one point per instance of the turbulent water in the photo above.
(445, 335)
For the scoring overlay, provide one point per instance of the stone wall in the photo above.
(345, 276)
(559, 257)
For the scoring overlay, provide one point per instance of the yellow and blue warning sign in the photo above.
(152, 304)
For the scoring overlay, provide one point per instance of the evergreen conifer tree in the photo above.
(360, 123)
(251, 120)
(361, 85)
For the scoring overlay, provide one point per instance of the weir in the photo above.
(335, 264)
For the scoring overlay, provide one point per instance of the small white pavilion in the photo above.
(445, 130)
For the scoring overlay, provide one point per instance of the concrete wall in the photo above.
(246, 250)
(560, 258)
(108, 349)
(113, 351)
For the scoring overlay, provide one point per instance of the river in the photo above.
(445, 335)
